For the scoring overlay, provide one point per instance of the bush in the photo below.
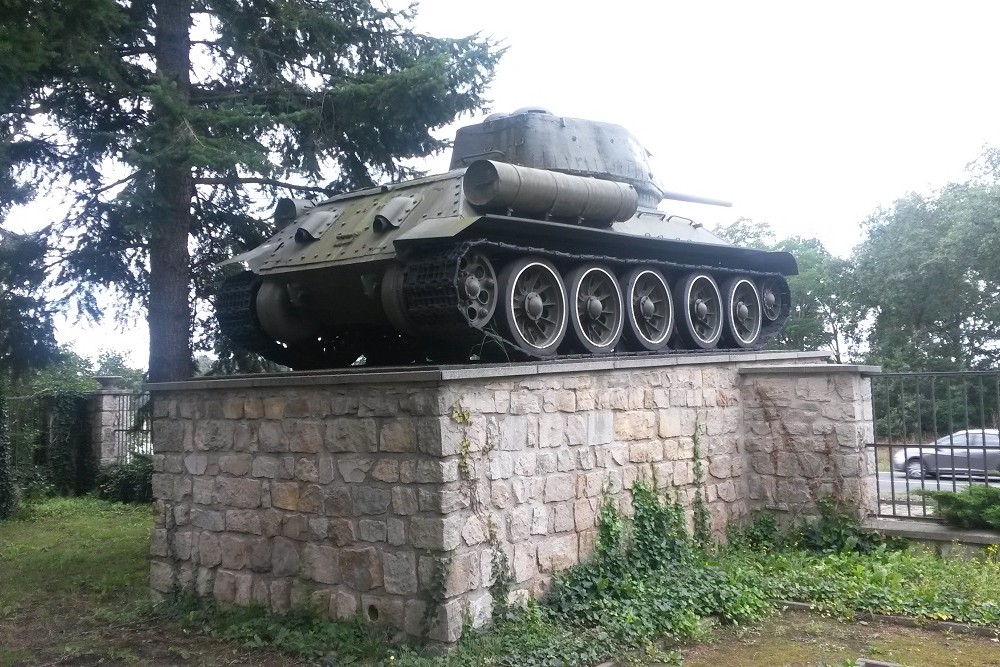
(130, 482)
(836, 530)
(33, 482)
(761, 534)
(975, 506)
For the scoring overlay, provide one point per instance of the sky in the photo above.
(806, 115)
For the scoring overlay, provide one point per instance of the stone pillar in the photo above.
(105, 419)
(806, 431)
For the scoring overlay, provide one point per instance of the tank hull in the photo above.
(497, 261)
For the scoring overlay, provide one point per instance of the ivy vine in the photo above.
(702, 520)
(8, 495)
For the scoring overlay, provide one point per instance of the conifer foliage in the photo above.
(166, 119)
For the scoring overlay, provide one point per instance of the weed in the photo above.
(302, 632)
(655, 582)
(836, 529)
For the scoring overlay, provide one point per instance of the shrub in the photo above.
(975, 506)
(761, 534)
(33, 482)
(130, 482)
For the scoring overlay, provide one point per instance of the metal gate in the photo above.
(933, 431)
(131, 432)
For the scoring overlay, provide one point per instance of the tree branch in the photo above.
(121, 181)
(259, 181)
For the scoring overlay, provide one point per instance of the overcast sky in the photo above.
(806, 115)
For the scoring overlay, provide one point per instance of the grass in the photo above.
(75, 547)
(73, 592)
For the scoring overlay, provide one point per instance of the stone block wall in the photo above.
(805, 433)
(393, 494)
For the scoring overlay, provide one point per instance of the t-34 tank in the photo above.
(543, 240)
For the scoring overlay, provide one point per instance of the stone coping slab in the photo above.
(806, 369)
(932, 530)
(396, 374)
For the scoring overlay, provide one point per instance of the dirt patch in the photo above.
(70, 633)
(801, 638)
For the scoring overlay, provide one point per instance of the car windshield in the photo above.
(953, 439)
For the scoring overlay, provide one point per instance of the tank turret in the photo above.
(543, 239)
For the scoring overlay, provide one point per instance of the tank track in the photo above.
(430, 292)
(235, 308)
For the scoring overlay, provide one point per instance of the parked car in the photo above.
(969, 453)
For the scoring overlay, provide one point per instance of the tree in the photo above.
(819, 309)
(926, 279)
(167, 119)
(27, 340)
(817, 318)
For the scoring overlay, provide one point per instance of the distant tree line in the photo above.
(919, 293)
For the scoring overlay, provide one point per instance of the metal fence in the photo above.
(124, 426)
(933, 431)
(27, 426)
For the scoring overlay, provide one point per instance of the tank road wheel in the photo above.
(595, 308)
(534, 305)
(743, 312)
(700, 306)
(650, 309)
(477, 289)
(772, 295)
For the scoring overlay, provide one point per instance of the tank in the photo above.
(544, 239)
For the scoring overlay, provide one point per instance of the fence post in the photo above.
(106, 419)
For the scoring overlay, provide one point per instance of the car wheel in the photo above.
(915, 469)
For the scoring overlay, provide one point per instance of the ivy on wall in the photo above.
(71, 462)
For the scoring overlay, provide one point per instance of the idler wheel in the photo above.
(700, 313)
(774, 297)
(477, 289)
(596, 308)
(534, 305)
(649, 309)
(743, 312)
(393, 302)
(281, 319)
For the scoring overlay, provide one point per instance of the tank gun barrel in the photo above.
(696, 199)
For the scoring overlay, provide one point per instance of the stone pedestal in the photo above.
(394, 493)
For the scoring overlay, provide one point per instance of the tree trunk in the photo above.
(169, 259)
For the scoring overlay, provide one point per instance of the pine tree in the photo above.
(167, 119)
(27, 339)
